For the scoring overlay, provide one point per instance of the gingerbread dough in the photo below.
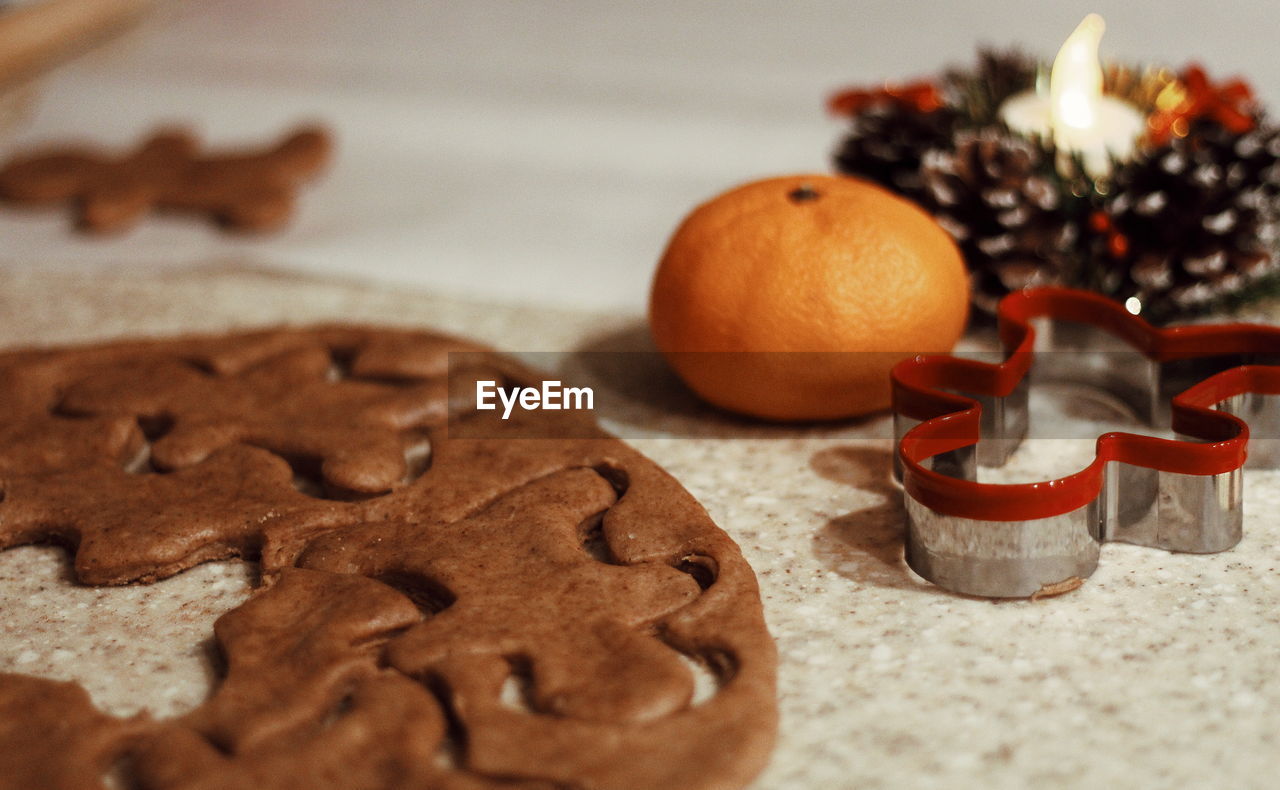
(436, 611)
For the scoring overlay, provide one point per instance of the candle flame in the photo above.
(1075, 82)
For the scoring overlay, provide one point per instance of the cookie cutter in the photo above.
(1182, 494)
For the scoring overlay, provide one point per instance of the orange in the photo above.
(791, 298)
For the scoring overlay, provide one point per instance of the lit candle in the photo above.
(1075, 114)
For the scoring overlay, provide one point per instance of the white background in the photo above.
(534, 151)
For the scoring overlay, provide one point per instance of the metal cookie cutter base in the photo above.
(1181, 494)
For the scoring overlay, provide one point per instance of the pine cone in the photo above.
(1258, 155)
(982, 89)
(1199, 219)
(995, 194)
(887, 141)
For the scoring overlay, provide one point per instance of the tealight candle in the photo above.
(1075, 114)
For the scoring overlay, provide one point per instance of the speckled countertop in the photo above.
(1159, 672)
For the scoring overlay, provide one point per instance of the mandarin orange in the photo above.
(791, 298)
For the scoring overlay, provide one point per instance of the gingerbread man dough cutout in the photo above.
(246, 190)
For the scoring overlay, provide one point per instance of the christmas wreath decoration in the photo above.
(1189, 224)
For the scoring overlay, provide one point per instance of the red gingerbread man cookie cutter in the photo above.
(1212, 382)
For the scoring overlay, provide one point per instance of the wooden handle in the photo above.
(33, 37)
